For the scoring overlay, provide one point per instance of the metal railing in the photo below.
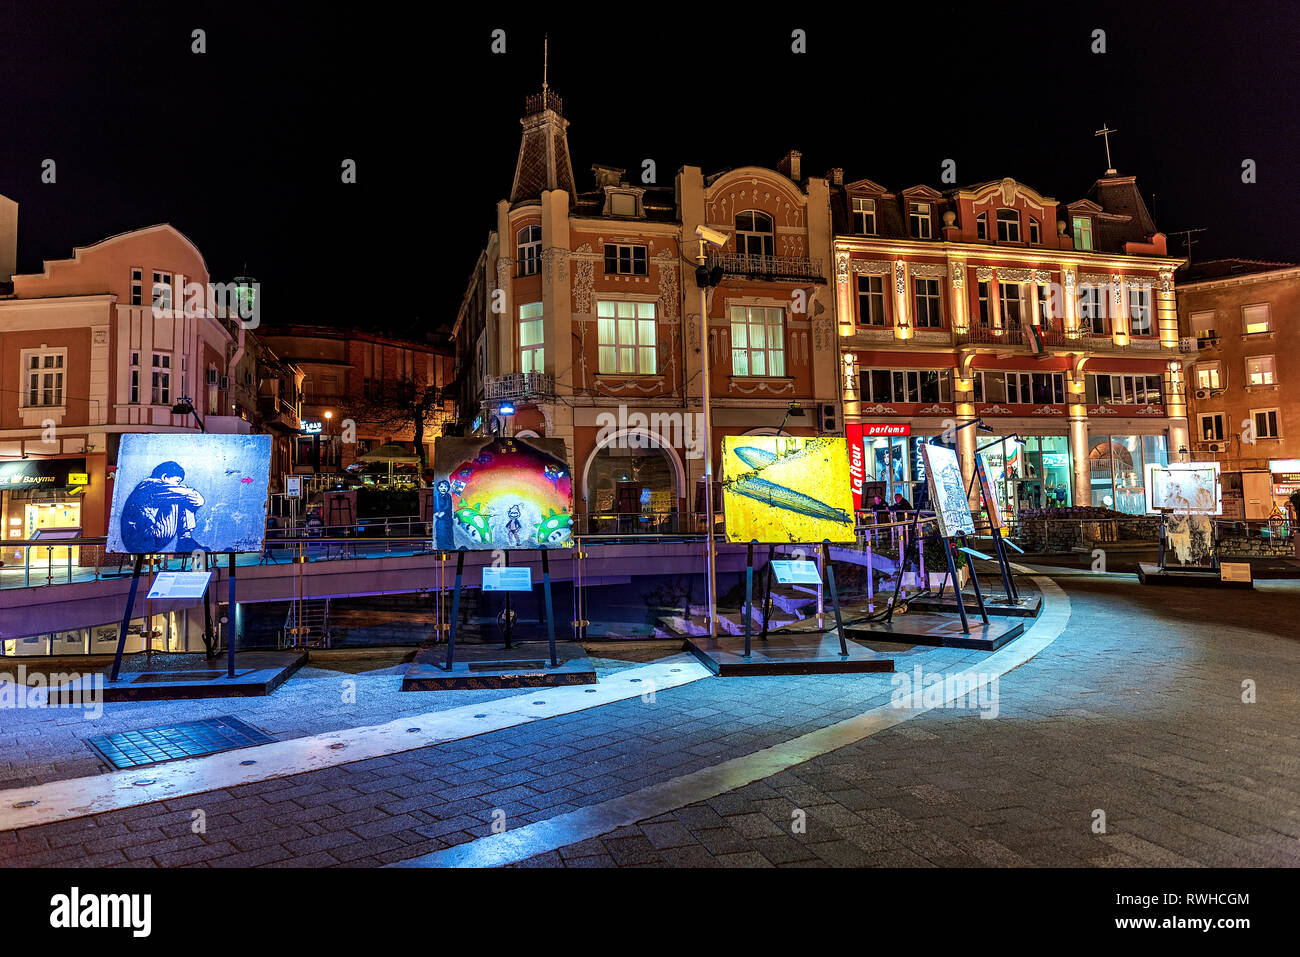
(518, 385)
(768, 267)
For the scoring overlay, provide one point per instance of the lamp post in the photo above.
(704, 279)
(185, 406)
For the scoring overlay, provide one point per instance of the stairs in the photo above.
(312, 630)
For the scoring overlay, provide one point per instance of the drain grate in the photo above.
(134, 749)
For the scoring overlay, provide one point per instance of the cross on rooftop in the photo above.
(1105, 132)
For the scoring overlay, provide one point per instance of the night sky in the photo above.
(240, 148)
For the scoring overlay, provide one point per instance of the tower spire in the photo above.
(546, 40)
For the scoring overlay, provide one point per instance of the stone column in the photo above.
(1081, 473)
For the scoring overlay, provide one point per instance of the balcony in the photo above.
(770, 268)
(277, 412)
(519, 386)
(1013, 337)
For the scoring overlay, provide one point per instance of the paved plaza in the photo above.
(1130, 726)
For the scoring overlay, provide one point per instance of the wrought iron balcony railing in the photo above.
(519, 385)
(769, 267)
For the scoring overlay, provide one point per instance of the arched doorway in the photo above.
(633, 485)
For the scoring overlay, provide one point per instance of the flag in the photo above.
(1034, 339)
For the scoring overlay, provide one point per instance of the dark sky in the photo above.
(240, 148)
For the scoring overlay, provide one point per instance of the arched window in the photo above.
(754, 234)
(1008, 226)
(528, 250)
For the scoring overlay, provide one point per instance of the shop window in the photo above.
(626, 333)
(757, 341)
(871, 301)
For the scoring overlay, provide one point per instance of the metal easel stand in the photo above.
(828, 579)
(550, 614)
(126, 617)
(455, 610)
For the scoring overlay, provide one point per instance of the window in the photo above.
(135, 377)
(1008, 226)
(1212, 427)
(906, 385)
(982, 226)
(1203, 326)
(1208, 375)
(162, 291)
(1010, 295)
(983, 289)
(1026, 388)
(864, 216)
(871, 301)
(1125, 390)
(1265, 423)
(1139, 310)
(1260, 370)
(137, 286)
(627, 337)
(532, 339)
(1044, 294)
(927, 302)
(754, 234)
(1082, 232)
(528, 250)
(757, 340)
(44, 381)
(1256, 318)
(161, 393)
(1035, 233)
(1092, 311)
(625, 260)
(919, 217)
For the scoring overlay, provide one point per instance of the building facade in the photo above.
(1237, 320)
(1052, 323)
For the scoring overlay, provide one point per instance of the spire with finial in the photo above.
(546, 42)
(544, 162)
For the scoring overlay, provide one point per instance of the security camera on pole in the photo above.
(706, 279)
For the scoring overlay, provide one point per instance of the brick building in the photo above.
(1238, 320)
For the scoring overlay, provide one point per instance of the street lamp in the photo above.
(706, 278)
(794, 409)
(185, 406)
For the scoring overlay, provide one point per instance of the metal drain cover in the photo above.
(134, 749)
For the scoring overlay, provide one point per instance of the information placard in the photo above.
(180, 585)
(797, 572)
(507, 578)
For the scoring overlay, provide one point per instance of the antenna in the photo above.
(1104, 133)
(1188, 241)
(546, 41)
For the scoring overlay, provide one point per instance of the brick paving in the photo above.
(1135, 710)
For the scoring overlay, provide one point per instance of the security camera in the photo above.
(711, 236)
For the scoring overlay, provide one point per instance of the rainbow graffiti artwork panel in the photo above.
(509, 493)
(779, 488)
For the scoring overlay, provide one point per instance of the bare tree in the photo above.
(403, 406)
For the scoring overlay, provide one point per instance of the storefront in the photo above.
(39, 497)
(891, 457)
(1035, 474)
(1117, 469)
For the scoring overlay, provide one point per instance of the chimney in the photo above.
(790, 165)
(836, 176)
(8, 238)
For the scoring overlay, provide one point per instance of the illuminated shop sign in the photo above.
(311, 428)
(886, 428)
(43, 473)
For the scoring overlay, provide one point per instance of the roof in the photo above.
(1228, 268)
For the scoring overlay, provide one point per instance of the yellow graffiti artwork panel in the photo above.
(781, 489)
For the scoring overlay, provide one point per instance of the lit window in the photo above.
(1082, 232)
(919, 217)
(1256, 318)
(626, 335)
(1212, 427)
(871, 301)
(44, 371)
(1208, 375)
(1203, 325)
(864, 216)
(1260, 370)
(757, 340)
(1008, 226)
(625, 260)
(754, 234)
(528, 250)
(532, 339)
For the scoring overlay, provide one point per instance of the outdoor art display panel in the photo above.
(508, 493)
(1185, 487)
(182, 493)
(988, 491)
(780, 489)
(947, 491)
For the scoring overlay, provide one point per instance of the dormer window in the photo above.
(982, 226)
(1008, 226)
(528, 250)
(1082, 232)
(864, 216)
(625, 260)
(754, 234)
(919, 219)
(1035, 233)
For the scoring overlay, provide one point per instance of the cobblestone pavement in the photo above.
(1136, 711)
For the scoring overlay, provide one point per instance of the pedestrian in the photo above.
(901, 504)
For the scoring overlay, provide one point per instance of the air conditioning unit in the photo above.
(829, 420)
(1202, 393)
(1187, 344)
(1207, 446)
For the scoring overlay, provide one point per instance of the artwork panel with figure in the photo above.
(177, 494)
(987, 490)
(783, 489)
(1185, 487)
(510, 493)
(947, 491)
